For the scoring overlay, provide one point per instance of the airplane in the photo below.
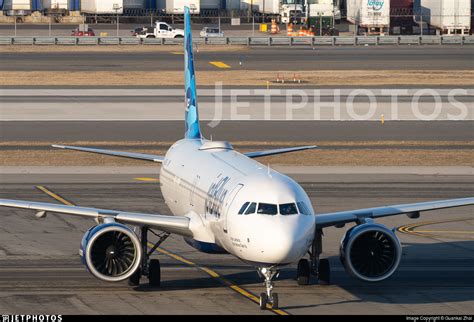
(224, 201)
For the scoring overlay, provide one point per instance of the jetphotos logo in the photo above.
(375, 4)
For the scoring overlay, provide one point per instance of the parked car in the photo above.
(161, 30)
(211, 32)
(80, 33)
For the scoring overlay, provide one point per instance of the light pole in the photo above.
(117, 7)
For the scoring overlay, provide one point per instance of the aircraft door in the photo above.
(228, 202)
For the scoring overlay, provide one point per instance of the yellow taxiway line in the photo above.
(219, 64)
(411, 229)
(181, 259)
(147, 179)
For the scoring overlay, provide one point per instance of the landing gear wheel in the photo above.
(303, 272)
(263, 301)
(324, 272)
(154, 273)
(275, 301)
(134, 279)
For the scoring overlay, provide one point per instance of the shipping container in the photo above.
(36, 5)
(134, 4)
(16, 5)
(55, 4)
(102, 6)
(74, 5)
(177, 6)
(371, 16)
(447, 16)
(268, 7)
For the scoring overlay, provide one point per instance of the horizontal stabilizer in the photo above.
(258, 154)
(123, 154)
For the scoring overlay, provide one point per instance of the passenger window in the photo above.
(267, 209)
(251, 208)
(288, 209)
(244, 206)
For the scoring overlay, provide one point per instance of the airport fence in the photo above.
(246, 41)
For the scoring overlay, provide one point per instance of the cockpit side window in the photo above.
(288, 209)
(251, 208)
(244, 206)
(267, 209)
(303, 208)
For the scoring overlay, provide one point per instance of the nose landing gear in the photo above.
(268, 297)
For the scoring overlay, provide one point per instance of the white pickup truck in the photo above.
(161, 30)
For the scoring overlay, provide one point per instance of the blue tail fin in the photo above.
(192, 115)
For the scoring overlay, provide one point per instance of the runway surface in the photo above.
(239, 131)
(266, 59)
(40, 271)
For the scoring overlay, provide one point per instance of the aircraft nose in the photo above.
(287, 240)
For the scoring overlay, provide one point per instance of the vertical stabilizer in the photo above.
(191, 115)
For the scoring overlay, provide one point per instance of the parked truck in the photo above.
(102, 7)
(371, 17)
(449, 17)
(17, 7)
(176, 7)
(160, 30)
(321, 16)
(291, 11)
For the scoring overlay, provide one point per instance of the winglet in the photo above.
(191, 116)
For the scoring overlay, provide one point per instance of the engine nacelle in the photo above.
(370, 252)
(111, 252)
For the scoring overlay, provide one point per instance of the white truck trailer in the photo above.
(16, 7)
(102, 7)
(176, 7)
(449, 17)
(284, 11)
(291, 10)
(267, 7)
(371, 17)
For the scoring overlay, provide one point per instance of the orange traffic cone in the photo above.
(274, 29)
(289, 30)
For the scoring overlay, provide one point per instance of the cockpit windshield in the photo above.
(273, 209)
(288, 209)
(267, 209)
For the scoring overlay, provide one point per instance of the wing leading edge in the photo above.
(123, 154)
(172, 224)
(339, 218)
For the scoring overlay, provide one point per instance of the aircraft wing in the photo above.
(339, 218)
(172, 224)
(258, 154)
(130, 155)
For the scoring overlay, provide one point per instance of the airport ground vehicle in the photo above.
(82, 31)
(211, 32)
(161, 30)
(371, 17)
(224, 201)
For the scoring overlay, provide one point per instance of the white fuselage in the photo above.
(211, 181)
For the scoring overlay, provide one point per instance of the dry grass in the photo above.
(238, 77)
(370, 156)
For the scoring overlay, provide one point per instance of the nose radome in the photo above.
(286, 244)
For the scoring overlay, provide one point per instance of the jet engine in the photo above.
(370, 252)
(111, 252)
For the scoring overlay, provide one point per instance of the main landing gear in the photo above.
(315, 266)
(149, 267)
(268, 297)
